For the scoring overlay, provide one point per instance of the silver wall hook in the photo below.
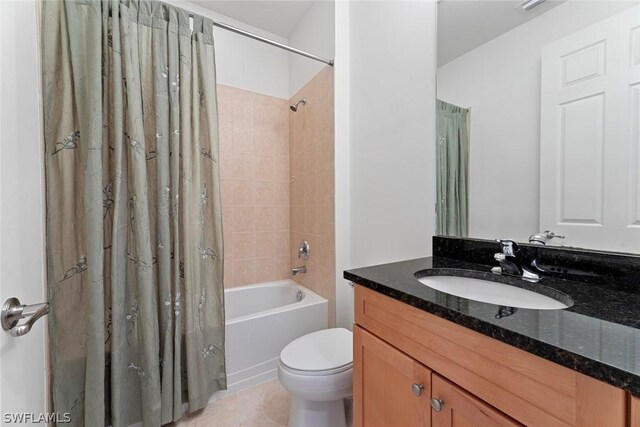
(13, 312)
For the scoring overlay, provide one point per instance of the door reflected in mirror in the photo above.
(538, 111)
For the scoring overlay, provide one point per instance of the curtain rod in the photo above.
(271, 42)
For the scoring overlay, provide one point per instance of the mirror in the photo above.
(538, 107)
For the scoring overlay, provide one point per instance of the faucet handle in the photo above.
(509, 246)
(304, 250)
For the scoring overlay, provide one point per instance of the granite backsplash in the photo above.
(619, 271)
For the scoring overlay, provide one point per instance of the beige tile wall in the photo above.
(254, 169)
(312, 185)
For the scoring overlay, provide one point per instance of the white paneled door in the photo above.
(22, 359)
(590, 139)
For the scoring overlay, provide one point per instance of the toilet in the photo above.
(317, 369)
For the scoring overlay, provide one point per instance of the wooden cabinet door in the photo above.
(461, 409)
(386, 385)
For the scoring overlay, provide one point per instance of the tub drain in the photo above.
(299, 296)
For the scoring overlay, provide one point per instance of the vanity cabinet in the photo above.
(634, 411)
(394, 389)
(480, 381)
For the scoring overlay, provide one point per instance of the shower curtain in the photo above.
(134, 227)
(452, 170)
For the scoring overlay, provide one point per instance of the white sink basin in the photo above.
(491, 292)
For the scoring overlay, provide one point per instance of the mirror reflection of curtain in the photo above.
(452, 170)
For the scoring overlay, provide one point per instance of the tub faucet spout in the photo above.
(296, 270)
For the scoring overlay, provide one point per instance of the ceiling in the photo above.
(275, 16)
(463, 25)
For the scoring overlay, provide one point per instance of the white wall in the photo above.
(500, 81)
(252, 65)
(245, 63)
(22, 360)
(392, 129)
(315, 33)
(385, 131)
(342, 150)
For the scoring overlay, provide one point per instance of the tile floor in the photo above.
(263, 405)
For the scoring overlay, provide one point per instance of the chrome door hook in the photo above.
(13, 312)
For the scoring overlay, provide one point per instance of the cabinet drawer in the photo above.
(531, 390)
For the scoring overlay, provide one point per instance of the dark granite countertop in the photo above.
(599, 335)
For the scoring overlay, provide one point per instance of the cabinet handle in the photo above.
(437, 404)
(417, 389)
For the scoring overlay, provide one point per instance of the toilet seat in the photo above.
(317, 373)
(325, 352)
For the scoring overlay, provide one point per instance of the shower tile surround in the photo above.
(312, 185)
(254, 170)
(277, 175)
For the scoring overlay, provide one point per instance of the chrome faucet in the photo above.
(296, 270)
(303, 253)
(511, 261)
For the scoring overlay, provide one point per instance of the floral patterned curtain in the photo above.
(134, 225)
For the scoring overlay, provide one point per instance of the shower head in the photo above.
(294, 107)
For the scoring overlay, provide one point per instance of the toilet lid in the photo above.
(324, 350)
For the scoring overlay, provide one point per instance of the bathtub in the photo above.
(261, 320)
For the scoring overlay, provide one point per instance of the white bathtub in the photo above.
(261, 320)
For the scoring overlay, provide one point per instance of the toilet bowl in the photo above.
(317, 369)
